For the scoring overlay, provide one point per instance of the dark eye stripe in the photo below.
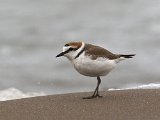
(75, 49)
(72, 49)
(66, 45)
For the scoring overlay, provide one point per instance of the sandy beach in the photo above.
(115, 105)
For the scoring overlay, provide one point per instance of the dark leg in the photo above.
(99, 82)
(96, 93)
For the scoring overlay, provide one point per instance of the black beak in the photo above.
(63, 53)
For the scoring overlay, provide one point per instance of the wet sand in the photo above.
(115, 105)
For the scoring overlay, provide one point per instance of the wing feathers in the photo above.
(97, 51)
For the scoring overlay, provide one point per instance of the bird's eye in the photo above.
(72, 49)
(66, 45)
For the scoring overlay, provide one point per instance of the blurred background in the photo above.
(32, 33)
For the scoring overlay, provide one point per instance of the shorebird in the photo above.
(91, 60)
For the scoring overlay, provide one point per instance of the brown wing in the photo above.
(97, 51)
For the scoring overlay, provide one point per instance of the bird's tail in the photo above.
(127, 56)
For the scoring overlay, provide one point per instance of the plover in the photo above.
(91, 60)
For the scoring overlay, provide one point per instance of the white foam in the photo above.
(13, 93)
(147, 86)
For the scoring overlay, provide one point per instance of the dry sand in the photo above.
(115, 105)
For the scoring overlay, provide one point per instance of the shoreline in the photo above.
(140, 104)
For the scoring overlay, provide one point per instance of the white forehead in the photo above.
(66, 48)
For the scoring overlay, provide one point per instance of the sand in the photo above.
(115, 105)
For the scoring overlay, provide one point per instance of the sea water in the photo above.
(13, 93)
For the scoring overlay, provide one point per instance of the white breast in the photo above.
(93, 68)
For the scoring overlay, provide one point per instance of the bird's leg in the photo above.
(97, 88)
(96, 93)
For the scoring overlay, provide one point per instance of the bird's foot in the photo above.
(99, 96)
(93, 96)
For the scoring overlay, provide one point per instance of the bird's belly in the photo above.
(94, 68)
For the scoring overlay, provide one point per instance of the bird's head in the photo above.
(71, 49)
